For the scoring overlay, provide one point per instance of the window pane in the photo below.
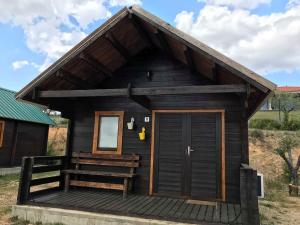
(108, 137)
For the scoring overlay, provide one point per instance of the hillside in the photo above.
(277, 207)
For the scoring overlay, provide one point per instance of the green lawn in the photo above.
(275, 115)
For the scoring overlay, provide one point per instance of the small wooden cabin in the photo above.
(23, 130)
(192, 102)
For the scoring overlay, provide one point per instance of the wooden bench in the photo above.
(127, 162)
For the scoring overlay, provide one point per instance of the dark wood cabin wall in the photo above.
(165, 72)
(8, 140)
(29, 139)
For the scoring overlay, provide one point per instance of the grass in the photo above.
(274, 115)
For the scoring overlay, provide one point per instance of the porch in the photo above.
(134, 206)
(142, 206)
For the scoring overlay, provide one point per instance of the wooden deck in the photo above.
(141, 206)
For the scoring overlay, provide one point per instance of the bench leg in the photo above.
(125, 190)
(67, 182)
(130, 185)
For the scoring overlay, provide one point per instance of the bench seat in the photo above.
(128, 164)
(99, 173)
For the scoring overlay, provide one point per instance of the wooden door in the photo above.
(169, 152)
(203, 156)
(187, 155)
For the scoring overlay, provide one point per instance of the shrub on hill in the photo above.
(264, 124)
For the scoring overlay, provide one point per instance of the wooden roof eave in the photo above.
(218, 58)
(72, 53)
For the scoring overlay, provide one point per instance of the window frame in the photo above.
(2, 125)
(97, 126)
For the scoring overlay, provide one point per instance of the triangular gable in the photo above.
(130, 31)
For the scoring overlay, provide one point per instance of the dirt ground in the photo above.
(276, 208)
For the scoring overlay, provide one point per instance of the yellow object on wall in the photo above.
(142, 135)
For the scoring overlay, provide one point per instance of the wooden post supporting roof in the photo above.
(206, 89)
(141, 100)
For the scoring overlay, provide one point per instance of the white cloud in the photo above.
(42, 22)
(16, 65)
(19, 64)
(293, 3)
(125, 2)
(242, 4)
(263, 43)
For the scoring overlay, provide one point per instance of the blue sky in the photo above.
(32, 37)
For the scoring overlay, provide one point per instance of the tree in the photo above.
(285, 102)
(285, 150)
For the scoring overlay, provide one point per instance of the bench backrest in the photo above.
(128, 161)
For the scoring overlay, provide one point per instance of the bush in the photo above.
(292, 125)
(264, 124)
(256, 134)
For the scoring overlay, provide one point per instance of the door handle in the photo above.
(189, 149)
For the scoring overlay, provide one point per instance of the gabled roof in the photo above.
(126, 34)
(10, 108)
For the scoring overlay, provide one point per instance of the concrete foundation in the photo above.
(8, 171)
(72, 217)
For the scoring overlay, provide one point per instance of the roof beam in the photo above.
(163, 42)
(178, 90)
(144, 35)
(141, 100)
(70, 78)
(117, 45)
(97, 66)
(189, 58)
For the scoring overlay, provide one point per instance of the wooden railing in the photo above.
(248, 195)
(40, 165)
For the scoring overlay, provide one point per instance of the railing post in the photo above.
(62, 181)
(248, 196)
(25, 179)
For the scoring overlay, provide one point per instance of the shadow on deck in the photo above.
(162, 208)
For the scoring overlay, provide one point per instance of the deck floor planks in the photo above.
(162, 207)
(140, 205)
(209, 213)
(174, 209)
(150, 205)
(166, 211)
(187, 213)
(202, 212)
(180, 210)
(237, 210)
(124, 205)
(231, 213)
(224, 214)
(131, 207)
(195, 212)
(217, 213)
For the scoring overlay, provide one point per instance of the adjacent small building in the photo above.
(23, 129)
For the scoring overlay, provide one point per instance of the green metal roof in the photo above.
(17, 110)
